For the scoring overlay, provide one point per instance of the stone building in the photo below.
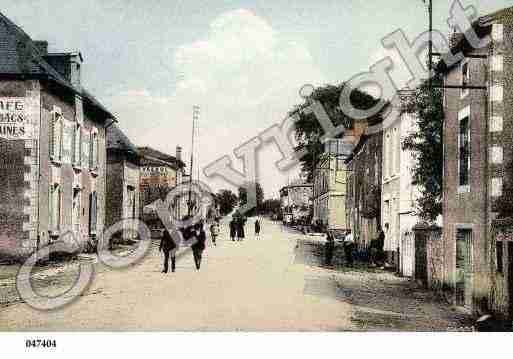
(160, 173)
(123, 190)
(363, 202)
(52, 147)
(478, 128)
(329, 185)
(398, 194)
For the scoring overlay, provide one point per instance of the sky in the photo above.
(242, 61)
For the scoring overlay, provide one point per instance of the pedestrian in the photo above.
(199, 245)
(349, 248)
(257, 228)
(168, 246)
(329, 249)
(240, 229)
(376, 248)
(233, 230)
(214, 232)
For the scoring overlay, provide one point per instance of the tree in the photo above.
(243, 196)
(308, 129)
(427, 147)
(227, 201)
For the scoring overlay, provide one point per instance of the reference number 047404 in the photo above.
(41, 343)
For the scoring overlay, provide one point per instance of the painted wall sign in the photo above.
(158, 175)
(14, 122)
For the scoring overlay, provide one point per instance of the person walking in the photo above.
(257, 228)
(348, 248)
(240, 229)
(329, 249)
(199, 245)
(214, 232)
(233, 230)
(168, 245)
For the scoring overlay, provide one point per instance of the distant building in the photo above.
(160, 173)
(123, 190)
(52, 147)
(329, 185)
(296, 201)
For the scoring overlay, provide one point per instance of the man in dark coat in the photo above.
(233, 230)
(200, 244)
(167, 244)
(240, 228)
(257, 228)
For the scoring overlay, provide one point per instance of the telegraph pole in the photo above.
(195, 117)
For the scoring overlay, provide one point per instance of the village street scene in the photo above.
(225, 176)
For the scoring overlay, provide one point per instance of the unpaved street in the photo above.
(276, 283)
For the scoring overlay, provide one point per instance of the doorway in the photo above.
(464, 287)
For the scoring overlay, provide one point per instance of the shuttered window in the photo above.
(54, 207)
(93, 152)
(77, 146)
(55, 143)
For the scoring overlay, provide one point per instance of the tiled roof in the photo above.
(20, 56)
(117, 140)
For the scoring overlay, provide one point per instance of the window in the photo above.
(465, 78)
(496, 124)
(496, 187)
(54, 207)
(86, 140)
(496, 155)
(55, 143)
(464, 153)
(498, 32)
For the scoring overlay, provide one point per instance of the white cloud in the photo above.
(245, 77)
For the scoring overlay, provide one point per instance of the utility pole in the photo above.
(195, 117)
(430, 54)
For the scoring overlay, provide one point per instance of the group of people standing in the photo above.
(237, 228)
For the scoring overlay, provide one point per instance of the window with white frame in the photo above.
(496, 187)
(464, 152)
(93, 210)
(496, 155)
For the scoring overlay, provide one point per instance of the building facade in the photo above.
(398, 194)
(160, 173)
(123, 190)
(329, 185)
(52, 141)
(478, 128)
(296, 201)
(363, 205)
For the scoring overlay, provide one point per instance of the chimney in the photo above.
(42, 47)
(178, 153)
(68, 65)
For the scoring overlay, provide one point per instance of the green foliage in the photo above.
(308, 129)
(227, 201)
(427, 147)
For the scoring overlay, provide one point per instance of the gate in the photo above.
(407, 252)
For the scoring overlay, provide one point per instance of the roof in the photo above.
(19, 56)
(482, 26)
(153, 156)
(118, 141)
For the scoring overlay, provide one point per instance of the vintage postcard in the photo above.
(255, 166)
